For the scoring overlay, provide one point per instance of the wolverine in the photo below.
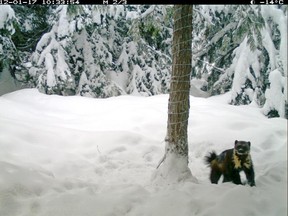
(230, 163)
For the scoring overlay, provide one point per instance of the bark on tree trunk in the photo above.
(174, 165)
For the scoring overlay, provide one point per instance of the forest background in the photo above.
(103, 51)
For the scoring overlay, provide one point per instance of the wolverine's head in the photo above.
(242, 147)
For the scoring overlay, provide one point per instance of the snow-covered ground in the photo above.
(79, 156)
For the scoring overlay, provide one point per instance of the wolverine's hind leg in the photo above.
(215, 175)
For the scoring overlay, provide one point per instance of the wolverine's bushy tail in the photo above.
(210, 157)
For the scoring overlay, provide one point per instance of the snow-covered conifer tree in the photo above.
(245, 44)
(95, 53)
(91, 60)
(8, 53)
(275, 43)
(50, 59)
(146, 59)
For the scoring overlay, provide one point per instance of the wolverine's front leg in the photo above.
(250, 176)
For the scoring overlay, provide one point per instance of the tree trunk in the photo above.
(178, 108)
(175, 161)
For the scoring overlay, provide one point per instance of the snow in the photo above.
(119, 79)
(269, 46)
(280, 18)
(62, 29)
(61, 65)
(116, 11)
(275, 94)
(195, 88)
(173, 170)
(49, 63)
(96, 157)
(132, 15)
(244, 57)
(278, 61)
(148, 11)
(6, 13)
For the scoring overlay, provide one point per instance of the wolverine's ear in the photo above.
(236, 141)
(249, 143)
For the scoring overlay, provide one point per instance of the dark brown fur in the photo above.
(230, 163)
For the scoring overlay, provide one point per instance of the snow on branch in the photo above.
(276, 95)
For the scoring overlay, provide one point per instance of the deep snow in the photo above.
(80, 156)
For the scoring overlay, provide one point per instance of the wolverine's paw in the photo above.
(252, 184)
